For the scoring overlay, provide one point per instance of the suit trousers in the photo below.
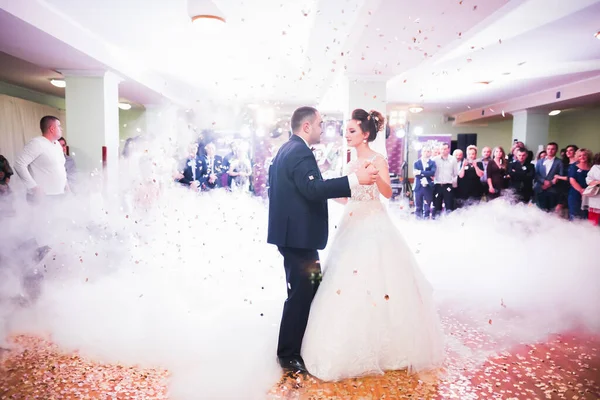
(423, 199)
(303, 275)
(547, 200)
(443, 192)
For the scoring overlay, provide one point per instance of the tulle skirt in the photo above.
(374, 309)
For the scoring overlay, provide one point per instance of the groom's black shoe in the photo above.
(294, 365)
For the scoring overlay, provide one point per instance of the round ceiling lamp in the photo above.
(125, 106)
(205, 14)
(415, 110)
(58, 83)
(554, 112)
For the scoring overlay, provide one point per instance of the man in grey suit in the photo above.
(544, 185)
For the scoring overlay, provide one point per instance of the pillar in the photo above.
(93, 123)
(531, 127)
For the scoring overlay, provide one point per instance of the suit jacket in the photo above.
(298, 215)
(427, 172)
(217, 169)
(191, 165)
(542, 175)
(521, 177)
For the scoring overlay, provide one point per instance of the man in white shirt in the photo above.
(446, 173)
(41, 164)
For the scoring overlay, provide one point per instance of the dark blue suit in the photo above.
(217, 169)
(547, 199)
(192, 171)
(424, 194)
(298, 225)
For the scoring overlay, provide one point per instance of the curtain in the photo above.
(20, 122)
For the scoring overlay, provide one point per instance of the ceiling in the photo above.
(30, 57)
(25, 74)
(430, 52)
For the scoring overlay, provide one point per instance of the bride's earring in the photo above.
(364, 140)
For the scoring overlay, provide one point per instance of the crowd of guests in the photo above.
(567, 185)
(203, 169)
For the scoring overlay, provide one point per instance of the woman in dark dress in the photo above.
(496, 173)
(469, 179)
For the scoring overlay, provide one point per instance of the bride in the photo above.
(374, 309)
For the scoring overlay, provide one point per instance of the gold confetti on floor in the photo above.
(565, 367)
(36, 369)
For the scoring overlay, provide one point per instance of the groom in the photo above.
(298, 225)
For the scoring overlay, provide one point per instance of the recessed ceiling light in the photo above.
(554, 112)
(58, 83)
(125, 106)
(415, 110)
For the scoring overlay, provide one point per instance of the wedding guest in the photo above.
(496, 172)
(191, 173)
(521, 175)
(486, 157)
(41, 164)
(446, 173)
(541, 155)
(578, 172)
(5, 173)
(591, 202)
(424, 171)
(69, 164)
(469, 183)
(547, 170)
(213, 168)
(563, 185)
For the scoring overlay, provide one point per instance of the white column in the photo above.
(368, 95)
(93, 122)
(531, 127)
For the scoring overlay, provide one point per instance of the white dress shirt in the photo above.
(42, 163)
(548, 164)
(446, 170)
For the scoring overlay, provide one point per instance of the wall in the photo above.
(578, 126)
(131, 123)
(36, 97)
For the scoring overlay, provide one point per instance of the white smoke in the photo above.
(187, 282)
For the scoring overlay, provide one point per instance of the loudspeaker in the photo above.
(464, 140)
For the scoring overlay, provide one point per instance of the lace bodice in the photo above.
(362, 192)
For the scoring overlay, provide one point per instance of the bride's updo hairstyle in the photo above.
(370, 122)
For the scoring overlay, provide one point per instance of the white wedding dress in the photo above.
(374, 309)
